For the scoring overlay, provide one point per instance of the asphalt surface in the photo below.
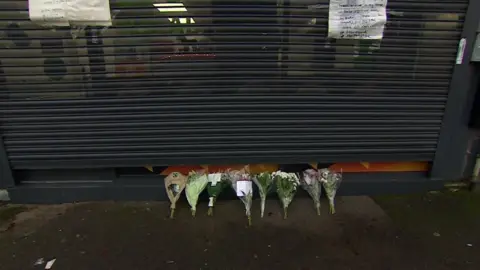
(125, 236)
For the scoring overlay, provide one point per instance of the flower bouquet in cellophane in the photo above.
(196, 183)
(242, 184)
(331, 182)
(286, 188)
(174, 185)
(264, 183)
(310, 182)
(215, 186)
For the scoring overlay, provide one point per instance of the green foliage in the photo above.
(264, 181)
(285, 187)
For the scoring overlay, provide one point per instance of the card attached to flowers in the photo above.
(244, 187)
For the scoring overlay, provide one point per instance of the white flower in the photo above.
(290, 176)
(286, 187)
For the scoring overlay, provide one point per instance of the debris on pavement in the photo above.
(50, 264)
(39, 261)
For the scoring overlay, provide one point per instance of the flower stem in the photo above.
(285, 213)
(262, 206)
(194, 212)
(172, 212)
(249, 220)
(210, 211)
(318, 210)
(332, 207)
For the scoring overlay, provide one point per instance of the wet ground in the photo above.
(433, 231)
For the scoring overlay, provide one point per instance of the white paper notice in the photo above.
(89, 12)
(70, 12)
(48, 12)
(244, 188)
(357, 19)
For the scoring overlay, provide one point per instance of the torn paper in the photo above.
(357, 19)
(70, 12)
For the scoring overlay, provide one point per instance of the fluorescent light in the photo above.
(173, 7)
(170, 7)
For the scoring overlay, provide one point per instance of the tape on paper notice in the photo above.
(70, 12)
(357, 19)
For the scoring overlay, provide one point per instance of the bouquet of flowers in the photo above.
(310, 183)
(331, 182)
(174, 185)
(214, 187)
(264, 182)
(242, 184)
(286, 188)
(196, 183)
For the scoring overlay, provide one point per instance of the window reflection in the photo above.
(169, 47)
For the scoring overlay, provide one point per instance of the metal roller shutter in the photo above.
(220, 81)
